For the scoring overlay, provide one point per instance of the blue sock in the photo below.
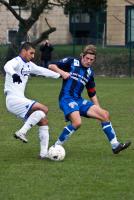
(66, 133)
(110, 133)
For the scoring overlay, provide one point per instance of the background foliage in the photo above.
(111, 61)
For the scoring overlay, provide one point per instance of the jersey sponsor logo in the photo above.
(25, 71)
(78, 77)
(72, 104)
(64, 60)
(89, 72)
(27, 106)
(84, 102)
(76, 63)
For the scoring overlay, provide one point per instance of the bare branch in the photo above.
(44, 35)
(122, 22)
(130, 2)
(17, 16)
(47, 23)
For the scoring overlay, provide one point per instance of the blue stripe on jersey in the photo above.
(83, 73)
(79, 77)
(74, 82)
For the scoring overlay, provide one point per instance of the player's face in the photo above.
(29, 54)
(87, 60)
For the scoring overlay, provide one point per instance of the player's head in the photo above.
(27, 51)
(88, 55)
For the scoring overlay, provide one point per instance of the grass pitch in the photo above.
(90, 171)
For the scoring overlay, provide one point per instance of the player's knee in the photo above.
(106, 115)
(41, 117)
(43, 108)
(43, 122)
(77, 124)
(46, 110)
(39, 114)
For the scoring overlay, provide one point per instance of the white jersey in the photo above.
(23, 69)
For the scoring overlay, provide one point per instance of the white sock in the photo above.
(32, 120)
(58, 142)
(114, 142)
(44, 140)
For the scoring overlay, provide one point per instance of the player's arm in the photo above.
(9, 68)
(95, 100)
(62, 67)
(43, 71)
(55, 68)
(91, 90)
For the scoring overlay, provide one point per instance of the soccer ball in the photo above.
(56, 153)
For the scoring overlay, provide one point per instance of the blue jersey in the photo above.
(80, 77)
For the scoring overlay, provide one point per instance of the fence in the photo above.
(112, 31)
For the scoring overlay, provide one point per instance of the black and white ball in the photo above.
(56, 152)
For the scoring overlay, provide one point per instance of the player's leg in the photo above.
(31, 121)
(103, 115)
(44, 140)
(34, 115)
(43, 129)
(71, 113)
(68, 130)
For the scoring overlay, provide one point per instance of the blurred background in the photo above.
(70, 25)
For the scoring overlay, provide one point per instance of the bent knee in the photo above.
(41, 107)
(77, 124)
(45, 109)
(43, 122)
(106, 116)
(39, 114)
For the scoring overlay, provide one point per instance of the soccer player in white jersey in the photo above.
(17, 72)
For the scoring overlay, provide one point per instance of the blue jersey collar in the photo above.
(23, 59)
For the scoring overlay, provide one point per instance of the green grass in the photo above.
(90, 171)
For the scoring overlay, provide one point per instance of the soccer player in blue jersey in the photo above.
(78, 74)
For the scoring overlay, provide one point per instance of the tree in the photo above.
(35, 8)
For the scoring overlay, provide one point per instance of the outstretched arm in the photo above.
(55, 68)
(43, 71)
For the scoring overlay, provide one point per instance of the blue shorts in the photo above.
(69, 105)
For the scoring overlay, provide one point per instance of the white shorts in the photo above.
(19, 105)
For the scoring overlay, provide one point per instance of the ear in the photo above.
(82, 56)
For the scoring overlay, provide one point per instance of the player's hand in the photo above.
(65, 75)
(16, 78)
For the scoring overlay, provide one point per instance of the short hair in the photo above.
(26, 46)
(89, 49)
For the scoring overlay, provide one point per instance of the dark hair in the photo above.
(26, 46)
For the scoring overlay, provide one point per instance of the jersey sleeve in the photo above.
(10, 66)
(35, 69)
(64, 63)
(91, 90)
